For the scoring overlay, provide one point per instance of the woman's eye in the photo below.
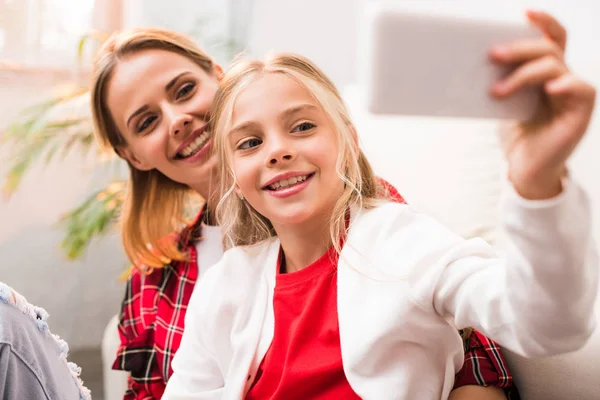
(250, 143)
(185, 90)
(146, 123)
(304, 126)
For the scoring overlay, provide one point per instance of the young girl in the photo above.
(145, 109)
(330, 292)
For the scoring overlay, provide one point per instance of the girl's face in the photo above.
(284, 152)
(160, 102)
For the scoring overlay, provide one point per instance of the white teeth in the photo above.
(288, 182)
(195, 146)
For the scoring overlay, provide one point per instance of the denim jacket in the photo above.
(33, 361)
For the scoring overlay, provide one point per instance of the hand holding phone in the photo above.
(423, 64)
(417, 68)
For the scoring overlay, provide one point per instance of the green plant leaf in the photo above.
(94, 217)
(95, 35)
(44, 145)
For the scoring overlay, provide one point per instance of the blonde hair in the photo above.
(154, 206)
(240, 223)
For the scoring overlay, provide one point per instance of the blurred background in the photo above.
(59, 244)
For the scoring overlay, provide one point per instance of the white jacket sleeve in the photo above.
(196, 372)
(539, 299)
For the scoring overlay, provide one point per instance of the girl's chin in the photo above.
(289, 218)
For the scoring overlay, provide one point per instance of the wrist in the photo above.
(540, 188)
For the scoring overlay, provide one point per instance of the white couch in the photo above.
(454, 170)
(115, 382)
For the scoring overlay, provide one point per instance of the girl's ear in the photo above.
(126, 153)
(238, 192)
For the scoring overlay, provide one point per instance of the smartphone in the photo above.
(427, 64)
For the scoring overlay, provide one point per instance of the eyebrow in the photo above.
(293, 110)
(284, 115)
(168, 87)
(173, 81)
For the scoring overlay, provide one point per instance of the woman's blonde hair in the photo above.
(154, 206)
(240, 223)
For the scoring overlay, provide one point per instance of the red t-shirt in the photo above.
(305, 359)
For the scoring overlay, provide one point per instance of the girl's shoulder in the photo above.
(245, 262)
(393, 231)
(385, 213)
(243, 273)
(389, 218)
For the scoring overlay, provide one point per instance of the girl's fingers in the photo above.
(549, 26)
(533, 73)
(569, 84)
(525, 50)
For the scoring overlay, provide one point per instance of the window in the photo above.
(221, 27)
(43, 33)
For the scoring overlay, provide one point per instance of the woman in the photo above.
(152, 94)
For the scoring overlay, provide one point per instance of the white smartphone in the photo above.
(424, 64)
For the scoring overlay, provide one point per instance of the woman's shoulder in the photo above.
(384, 217)
(151, 293)
(142, 277)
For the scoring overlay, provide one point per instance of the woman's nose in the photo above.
(180, 125)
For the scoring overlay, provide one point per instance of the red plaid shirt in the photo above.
(152, 320)
(485, 366)
(152, 323)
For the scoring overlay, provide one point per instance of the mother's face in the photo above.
(160, 102)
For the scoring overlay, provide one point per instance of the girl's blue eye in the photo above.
(304, 126)
(185, 90)
(146, 123)
(248, 144)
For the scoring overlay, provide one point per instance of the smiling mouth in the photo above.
(194, 147)
(287, 183)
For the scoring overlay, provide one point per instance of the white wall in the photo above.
(210, 22)
(80, 296)
(326, 31)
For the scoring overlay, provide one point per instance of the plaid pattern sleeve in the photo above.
(152, 321)
(485, 366)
